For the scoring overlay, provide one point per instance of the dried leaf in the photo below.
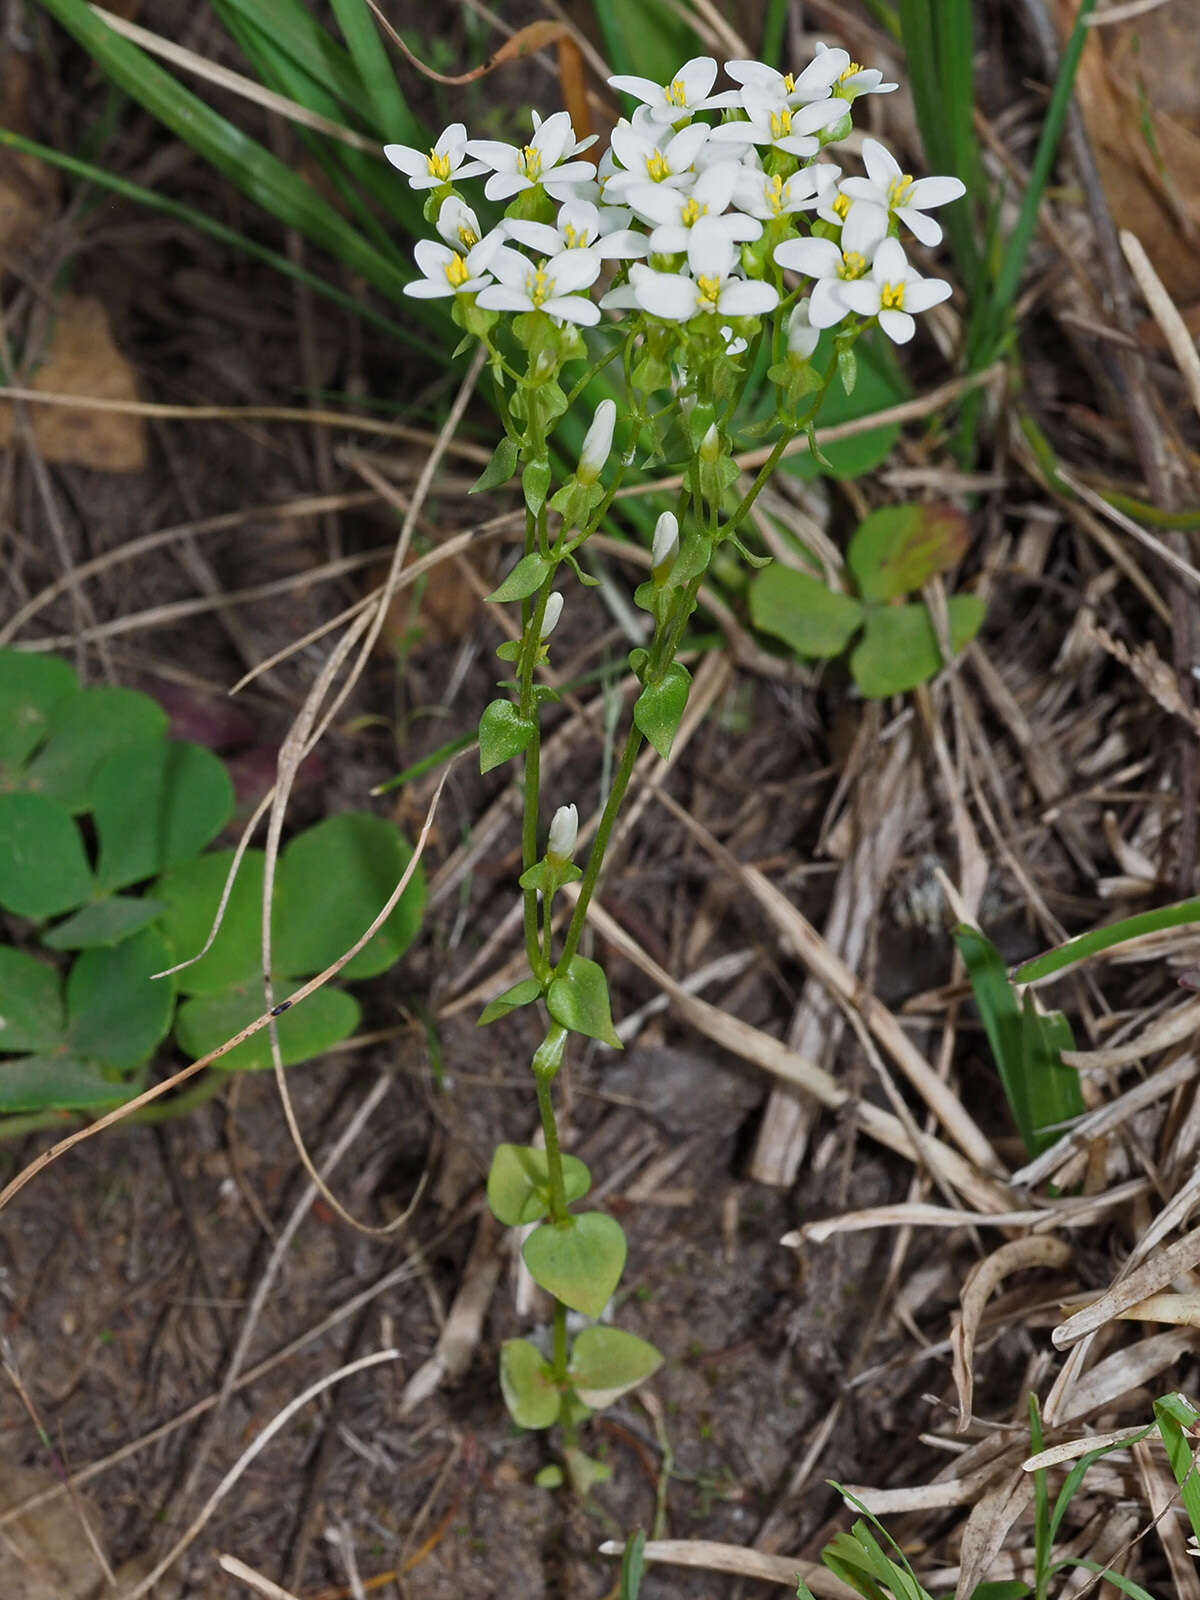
(992, 1515)
(524, 42)
(1036, 1251)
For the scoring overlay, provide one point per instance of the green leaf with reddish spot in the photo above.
(897, 549)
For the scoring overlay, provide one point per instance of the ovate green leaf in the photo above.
(579, 1001)
(581, 1264)
(43, 870)
(606, 1362)
(802, 611)
(518, 1187)
(526, 1384)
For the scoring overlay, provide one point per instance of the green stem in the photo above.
(554, 1167)
(531, 778)
(629, 755)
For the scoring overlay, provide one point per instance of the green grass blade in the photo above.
(1176, 1418)
(295, 30)
(1052, 1088)
(1125, 1585)
(153, 201)
(1001, 1020)
(645, 37)
(392, 118)
(1091, 944)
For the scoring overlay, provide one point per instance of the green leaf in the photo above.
(104, 922)
(333, 880)
(391, 113)
(190, 894)
(529, 1392)
(499, 469)
(1177, 1419)
(1001, 1589)
(847, 363)
(581, 1263)
(518, 1186)
(32, 688)
(55, 1083)
(156, 804)
(659, 709)
(1180, 915)
(325, 1017)
(584, 1471)
(525, 578)
(521, 994)
(1001, 1020)
(898, 548)
(503, 733)
(549, 1476)
(117, 1011)
(31, 1003)
(579, 1001)
(900, 648)
(83, 731)
(1055, 1095)
(812, 619)
(606, 1363)
(43, 870)
(631, 1566)
(535, 482)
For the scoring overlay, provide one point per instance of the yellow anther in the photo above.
(898, 189)
(851, 71)
(891, 297)
(773, 194)
(781, 123)
(708, 292)
(789, 83)
(576, 238)
(657, 168)
(456, 271)
(439, 166)
(676, 93)
(539, 286)
(853, 265)
(842, 206)
(692, 212)
(467, 236)
(531, 162)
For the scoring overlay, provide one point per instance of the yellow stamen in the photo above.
(439, 166)
(676, 93)
(842, 206)
(531, 162)
(708, 293)
(891, 297)
(898, 189)
(851, 71)
(657, 168)
(456, 272)
(789, 83)
(577, 238)
(774, 195)
(539, 286)
(692, 212)
(467, 236)
(781, 123)
(853, 265)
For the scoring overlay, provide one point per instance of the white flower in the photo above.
(821, 259)
(863, 225)
(458, 224)
(687, 91)
(446, 162)
(666, 541)
(449, 271)
(855, 79)
(767, 197)
(564, 830)
(546, 159)
(802, 337)
(712, 286)
(644, 159)
(552, 287)
(550, 616)
(814, 83)
(580, 226)
(597, 442)
(675, 212)
(897, 194)
(773, 122)
(893, 291)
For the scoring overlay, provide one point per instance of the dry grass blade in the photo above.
(985, 1277)
(1178, 1310)
(986, 1528)
(706, 1555)
(1142, 1282)
(1164, 311)
(1116, 1376)
(266, 1587)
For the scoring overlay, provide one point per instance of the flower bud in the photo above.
(545, 366)
(802, 337)
(665, 548)
(563, 830)
(550, 616)
(597, 443)
(458, 224)
(710, 445)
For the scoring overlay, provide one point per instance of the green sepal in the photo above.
(529, 1390)
(521, 994)
(525, 578)
(510, 650)
(580, 1263)
(503, 733)
(535, 482)
(460, 349)
(518, 1186)
(650, 373)
(748, 555)
(579, 1001)
(815, 451)
(697, 423)
(548, 1057)
(847, 365)
(575, 501)
(659, 709)
(503, 463)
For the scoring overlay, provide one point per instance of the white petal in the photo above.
(684, 147)
(890, 264)
(643, 89)
(865, 227)
(800, 145)
(497, 297)
(882, 166)
(432, 258)
(539, 236)
(826, 306)
(710, 250)
(737, 133)
(697, 76)
(864, 189)
(860, 295)
(630, 150)
(574, 269)
(428, 289)
(510, 266)
(413, 163)
(451, 138)
(928, 192)
(927, 229)
(573, 308)
(666, 294)
(746, 71)
(670, 239)
(500, 157)
(818, 258)
(747, 299)
(898, 326)
(822, 71)
(921, 293)
(656, 202)
(742, 229)
(622, 244)
(551, 138)
(503, 185)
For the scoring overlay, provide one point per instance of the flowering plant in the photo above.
(711, 231)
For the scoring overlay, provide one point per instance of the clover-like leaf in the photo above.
(525, 578)
(156, 804)
(83, 731)
(333, 880)
(900, 648)
(208, 1020)
(606, 1363)
(518, 1186)
(117, 1011)
(803, 612)
(104, 922)
(190, 894)
(503, 733)
(43, 868)
(529, 1391)
(579, 1001)
(659, 709)
(56, 1083)
(32, 688)
(521, 994)
(579, 1263)
(896, 549)
(32, 1016)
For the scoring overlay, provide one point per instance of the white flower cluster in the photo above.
(698, 199)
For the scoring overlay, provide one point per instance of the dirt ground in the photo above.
(1043, 784)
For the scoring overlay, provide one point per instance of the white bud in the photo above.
(563, 830)
(458, 224)
(666, 543)
(802, 337)
(710, 445)
(550, 616)
(597, 443)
